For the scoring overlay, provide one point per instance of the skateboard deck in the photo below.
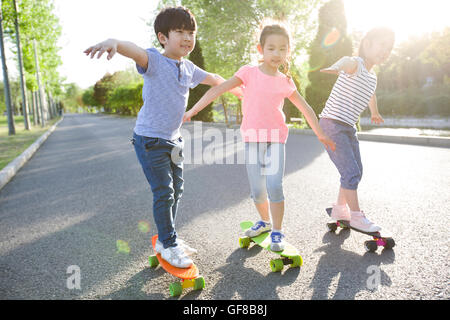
(189, 276)
(289, 256)
(380, 238)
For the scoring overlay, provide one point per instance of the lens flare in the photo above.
(144, 226)
(331, 38)
(122, 246)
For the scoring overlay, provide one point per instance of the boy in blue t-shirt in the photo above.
(167, 80)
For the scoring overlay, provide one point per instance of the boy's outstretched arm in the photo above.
(311, 118)
(211, 95)
(125, 48)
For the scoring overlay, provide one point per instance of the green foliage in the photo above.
(195, 94)
(106, 86)
(127, 99)
(413, 102)
(331, 43)
(36, 22)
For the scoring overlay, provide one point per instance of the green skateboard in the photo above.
(289, 256)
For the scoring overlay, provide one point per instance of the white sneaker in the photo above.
(187, 249)
(360, 222)
(340, 213)
(258, 228)
(176, 257)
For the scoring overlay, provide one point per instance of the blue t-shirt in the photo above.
(165, 94)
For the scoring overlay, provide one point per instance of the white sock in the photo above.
(275, 230)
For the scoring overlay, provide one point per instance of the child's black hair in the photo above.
(278, 30)
(173, 18)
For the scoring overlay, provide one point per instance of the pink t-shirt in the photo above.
(262, 107)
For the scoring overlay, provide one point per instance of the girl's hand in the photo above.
(188, 115)
(327, 142)
(376, 118)
(109, 46)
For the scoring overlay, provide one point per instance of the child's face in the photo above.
(378, 50)
(275, 50)
(179, 43)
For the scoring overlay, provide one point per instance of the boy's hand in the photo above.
(109, 46)
(237, 92)
(376, 118)
(328, 143)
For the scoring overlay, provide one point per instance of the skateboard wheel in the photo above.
(370, 246)
(153, 261)
(297, 261)
(331, 227)
(244, 242)
(199, 283)
(390, 243)
(175, 289)
(276, 265)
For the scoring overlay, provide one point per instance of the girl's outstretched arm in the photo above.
(375, 115)
(211, 95)
(215, 80)
(346, 64)
(311, 118)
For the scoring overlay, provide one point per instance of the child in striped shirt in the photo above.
(353, 91)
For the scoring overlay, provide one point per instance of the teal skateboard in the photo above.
(289, 256)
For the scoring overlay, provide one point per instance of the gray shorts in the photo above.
(347, 157)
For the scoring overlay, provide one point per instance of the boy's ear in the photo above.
(260, 49)
(162, 38)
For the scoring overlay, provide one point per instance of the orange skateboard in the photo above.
(190, 277)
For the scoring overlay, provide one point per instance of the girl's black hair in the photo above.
(173, 18)
(375, 33)
(279, 30)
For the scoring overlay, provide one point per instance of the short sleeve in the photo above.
(359, 67)
(197, 76)
(242, 74)
(291, 87)
(153, 56)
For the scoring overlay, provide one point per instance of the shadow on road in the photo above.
(355, 273)
(247, 283)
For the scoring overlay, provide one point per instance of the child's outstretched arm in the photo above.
(375, 115)
(125, 48)
(215, 80)
(311, 118)
(346, 64)
(210, 95)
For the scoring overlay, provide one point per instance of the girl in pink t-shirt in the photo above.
(264, 129)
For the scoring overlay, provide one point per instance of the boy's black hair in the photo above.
(173, 18)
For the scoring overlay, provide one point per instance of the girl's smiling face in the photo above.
(378, 50)
(275, 50)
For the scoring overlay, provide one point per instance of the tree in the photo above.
(195, 94)
(330, 44)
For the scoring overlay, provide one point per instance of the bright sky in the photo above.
(87, 22)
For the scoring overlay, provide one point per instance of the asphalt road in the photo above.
(83, 201)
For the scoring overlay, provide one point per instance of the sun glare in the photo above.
(406, 18)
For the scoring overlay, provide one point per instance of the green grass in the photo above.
(12, 146)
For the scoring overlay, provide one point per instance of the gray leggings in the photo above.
(347, 157)
(265, 169)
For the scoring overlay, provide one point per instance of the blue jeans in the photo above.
(265, 169)
(162, 163)
(347, 157)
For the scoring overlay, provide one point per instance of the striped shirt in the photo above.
(350, 95)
